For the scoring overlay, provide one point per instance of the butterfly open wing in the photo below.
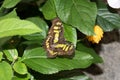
(55, 43)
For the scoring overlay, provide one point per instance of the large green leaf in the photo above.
(33, 42)
(106, 19)
(96, 57)
(78, 13)
(37, 60)
(49, 10)
(11, 54)
(13, 26)
(70, 34)
(5, 71)
(42, 25)
(10, 3)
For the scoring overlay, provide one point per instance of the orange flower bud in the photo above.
(98, 35)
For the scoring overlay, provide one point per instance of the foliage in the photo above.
(24, 27)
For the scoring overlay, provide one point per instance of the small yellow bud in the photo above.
(98, 35)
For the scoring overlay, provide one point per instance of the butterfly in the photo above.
(55, 43)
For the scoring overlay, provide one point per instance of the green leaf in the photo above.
(11, 54)
(106, 19)
(81, 14)
(42, 25)
(37, 60)
(1, 55)
(48, 10)
(10, 3)
(83, 48)
(70, 34)
(20, 68)
(81, 77)
(12, 14)
(13, 26)
(5, 71)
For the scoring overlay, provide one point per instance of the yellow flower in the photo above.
(98, 35)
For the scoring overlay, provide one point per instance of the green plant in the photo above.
(24, 26)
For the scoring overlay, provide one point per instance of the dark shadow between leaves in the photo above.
(111, 36)
(94, 70)
(59, 75)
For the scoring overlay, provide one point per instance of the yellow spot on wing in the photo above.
(47, 42)
(56, 37)
(59, 45)
(47, 45)
(58, 23)
(55, 40)
(66, 49)
(56, 31)
(71, 47)
(56, 27)
(52, 52)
